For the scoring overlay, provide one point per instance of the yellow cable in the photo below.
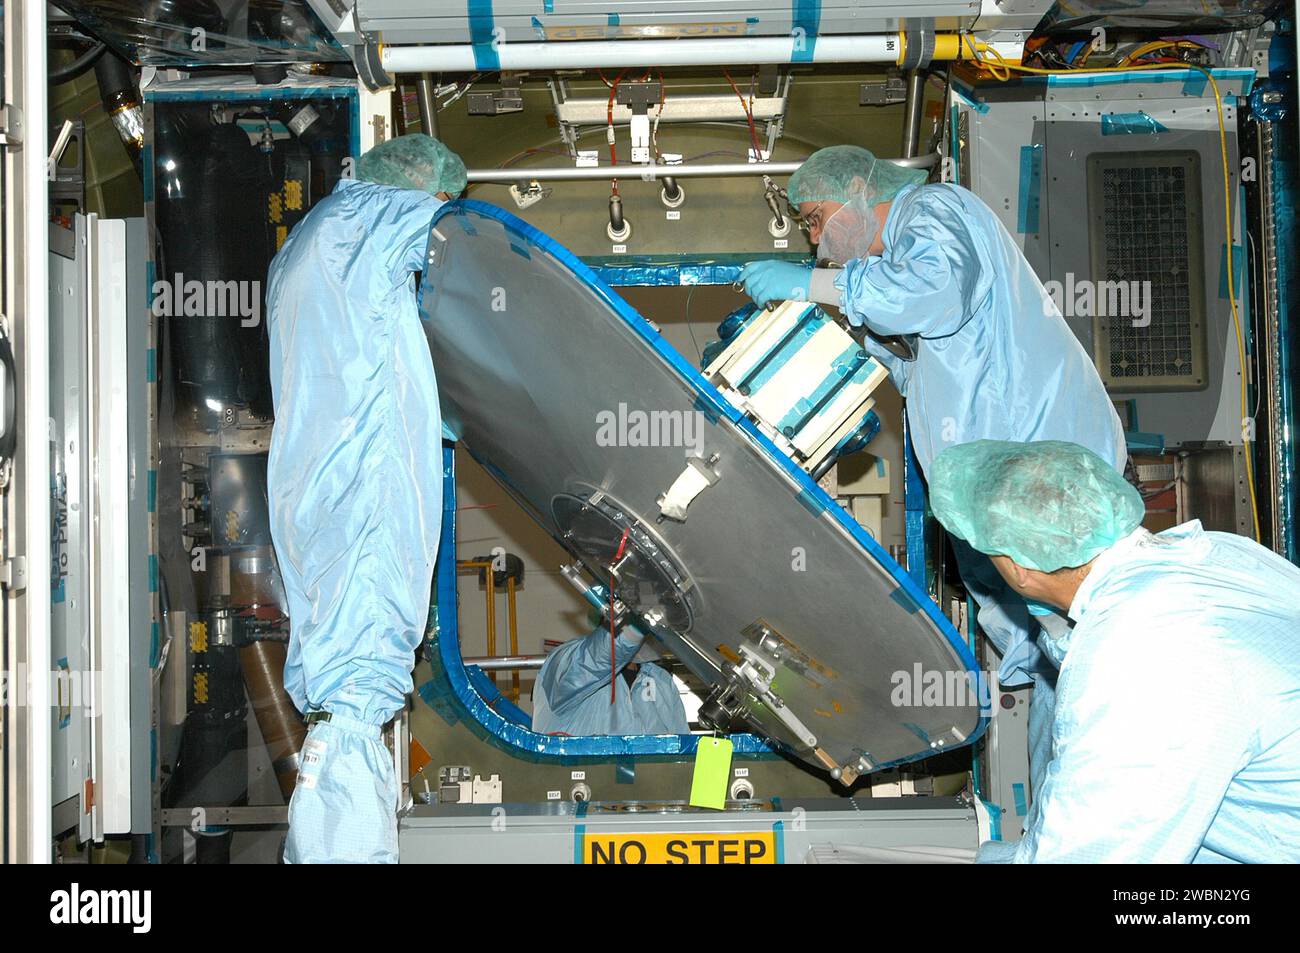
(1003, 70)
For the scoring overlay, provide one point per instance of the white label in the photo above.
(620, 249)
(578, 776)
(742, 772)
(307, 781)
(553, 795)
(674, 216)
(587, 159)
(671, 158)
(781, 243)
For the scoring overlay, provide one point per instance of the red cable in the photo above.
(609, 114)
(749, 116)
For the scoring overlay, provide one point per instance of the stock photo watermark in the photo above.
(179, 297)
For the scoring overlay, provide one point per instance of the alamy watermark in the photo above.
(1085, 298)
(192, 298)
(633, 427)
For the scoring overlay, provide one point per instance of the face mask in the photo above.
(847, 235)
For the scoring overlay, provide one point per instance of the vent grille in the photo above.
(1147, 249)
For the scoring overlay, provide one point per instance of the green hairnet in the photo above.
(841, 173)
(414, 161)
(1047, 505)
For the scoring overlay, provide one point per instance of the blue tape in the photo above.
(1018, 792)
(151, 366)
(151, 494)
(548, 6)
(976, 104)
(153, 573)
(1195, 83)
(482, 35)
(154, 645)
(914, 512)
(1031, 187)
(1238, 260)
(611, 19)
(811, 503)
(853, 364)
(520, 251)
(1130, 124)
(904, 599)
(806, 17)
(779, 830)
(781, 355)
(579, 832)
(880, 466)
(623, 271)
(146, 165)
(537, 24)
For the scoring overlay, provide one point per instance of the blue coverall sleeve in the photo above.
(1150, 730)
(929, 280)
(579, 668)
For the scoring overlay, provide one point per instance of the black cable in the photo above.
(78, 66)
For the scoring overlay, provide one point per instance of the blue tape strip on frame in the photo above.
(1031, 188)
(1018, 792)
(153, 573)
(622, 271)
(152, 493)
(1195, 84)
(1238, 260)
(806, 16)
(913, 512)
(1131, 124)
(971, 101)
(778, 828)
(691, 375)
(482, 35)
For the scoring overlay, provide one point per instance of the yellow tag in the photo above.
(712, 768)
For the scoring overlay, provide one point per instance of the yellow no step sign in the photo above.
(732, 847)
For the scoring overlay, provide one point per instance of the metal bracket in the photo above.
(11, 126)
(698, 476)
(508, 99)
(437, 248)
(13, 574)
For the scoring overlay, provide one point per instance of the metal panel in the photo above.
(809, 830)
(533, 352)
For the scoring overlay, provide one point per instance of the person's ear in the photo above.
(1020, 573)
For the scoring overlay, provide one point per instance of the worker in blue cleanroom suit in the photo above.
(572, 695)
(931, 265)
(1177, 730)
(355, 484)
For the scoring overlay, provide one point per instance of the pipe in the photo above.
(77, 66)
(912, 113)
(652, 172)
(647, 172)
(428, 103)
(594, 54)
(515, 663)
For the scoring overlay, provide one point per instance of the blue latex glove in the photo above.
(767, 281)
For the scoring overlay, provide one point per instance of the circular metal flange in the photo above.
(648, 579)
